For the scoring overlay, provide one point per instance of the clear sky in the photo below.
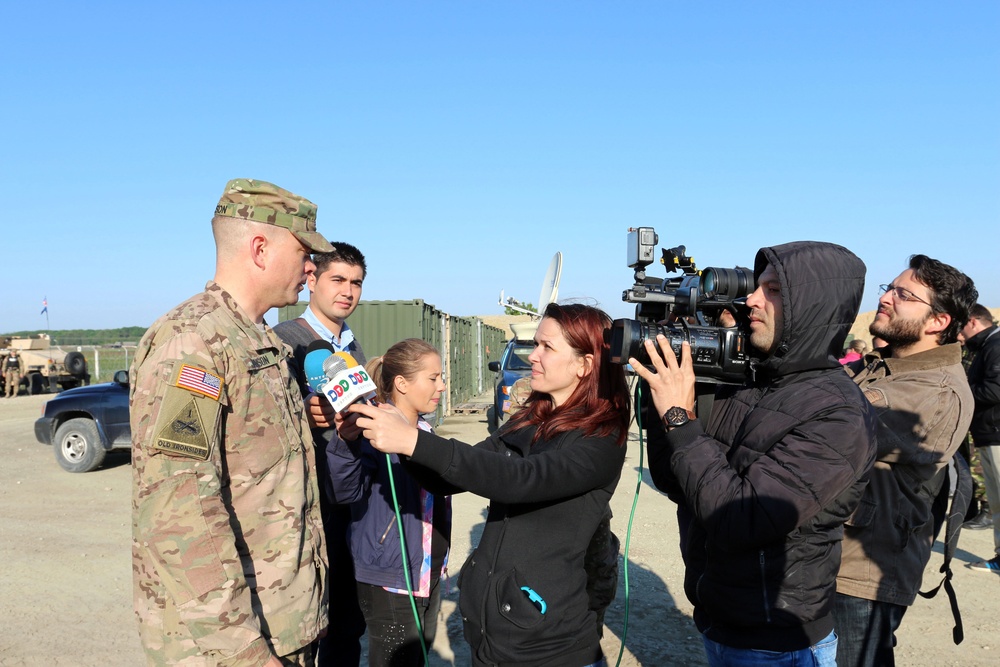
(461, 144)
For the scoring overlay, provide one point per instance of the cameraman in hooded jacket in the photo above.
(764, 487)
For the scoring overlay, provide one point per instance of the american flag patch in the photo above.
(199, 380)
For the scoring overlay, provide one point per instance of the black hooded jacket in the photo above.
(984, 380)
(764, 490)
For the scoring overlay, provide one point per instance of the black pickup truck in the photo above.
(82, 424)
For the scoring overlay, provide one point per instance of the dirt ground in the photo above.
(65, 576)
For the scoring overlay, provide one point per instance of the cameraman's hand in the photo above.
(672, 384)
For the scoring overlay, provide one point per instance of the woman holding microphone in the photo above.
(549, 473)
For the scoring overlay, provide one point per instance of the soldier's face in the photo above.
(336, 292)
(766, 315)
(290, 264)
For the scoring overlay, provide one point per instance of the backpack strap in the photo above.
(301, 321)
(952, 527)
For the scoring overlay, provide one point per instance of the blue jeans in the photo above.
(822, 654)
(867, 631)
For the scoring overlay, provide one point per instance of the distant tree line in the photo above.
(510, 311)
(87, 336)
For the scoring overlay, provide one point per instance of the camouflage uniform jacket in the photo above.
(228, 555)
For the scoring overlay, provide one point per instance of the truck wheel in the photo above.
(76, 364)
(77, 446)
(34, 384)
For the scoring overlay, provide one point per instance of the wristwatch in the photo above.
(676, 416)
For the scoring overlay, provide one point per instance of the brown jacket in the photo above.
(924, 407)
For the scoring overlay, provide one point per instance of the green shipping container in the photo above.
(465, 343)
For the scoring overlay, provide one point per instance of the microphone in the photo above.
(348, 359)
(313, 366)
(333, 365)
(351, 362)
(348, 383)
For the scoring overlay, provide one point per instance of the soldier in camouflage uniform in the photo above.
(519, 392)
(13, 369)
(228, 555)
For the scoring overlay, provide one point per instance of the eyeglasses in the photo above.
(901, 293)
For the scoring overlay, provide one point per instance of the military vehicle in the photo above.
(48, 368)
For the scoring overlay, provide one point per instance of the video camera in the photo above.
(700, 307)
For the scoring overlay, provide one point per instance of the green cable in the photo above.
(631, 517)
(406, 560)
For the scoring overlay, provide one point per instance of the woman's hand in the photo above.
(386, 428)
(672, 384)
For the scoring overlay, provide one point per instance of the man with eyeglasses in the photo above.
(918, 389)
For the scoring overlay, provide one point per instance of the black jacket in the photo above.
(765, 490)
(984, 380)
(546, 501)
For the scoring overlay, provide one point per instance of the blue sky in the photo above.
(461, 144)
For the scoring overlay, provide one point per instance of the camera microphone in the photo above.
(314, 365)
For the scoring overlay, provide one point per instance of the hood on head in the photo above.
(821, 289)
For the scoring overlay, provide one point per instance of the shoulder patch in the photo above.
(876, 397)
(184, 434)
(199, 381)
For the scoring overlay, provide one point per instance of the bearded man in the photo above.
(924, 406)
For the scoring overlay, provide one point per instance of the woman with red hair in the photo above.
(549, 473)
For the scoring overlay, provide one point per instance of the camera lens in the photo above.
(725, 284)
(708, 280)
(626, 338)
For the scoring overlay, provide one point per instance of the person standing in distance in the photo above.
(765, 486)
(334, 293)
(983, 341)
(923, 403)
(228, 555)
(855, 351)
(13, 369)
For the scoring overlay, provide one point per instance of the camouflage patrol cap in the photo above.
(260, 201)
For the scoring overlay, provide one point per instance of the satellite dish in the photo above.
(549, 293)
(550, 285)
